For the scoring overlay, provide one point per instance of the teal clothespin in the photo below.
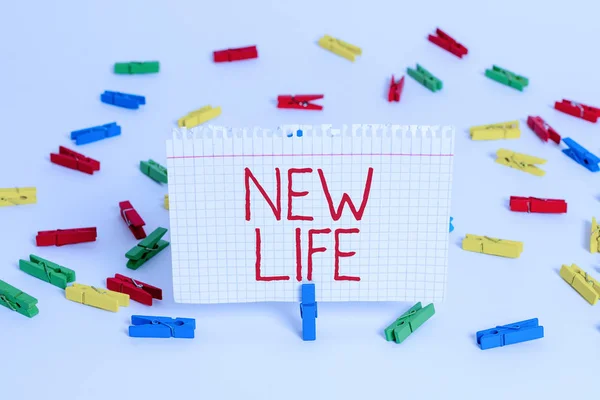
(154, 171)
(425, 78)
(146, 249)
(507, 77)
(451, 226)
(18, 301)
(408, 322)
(47, 271)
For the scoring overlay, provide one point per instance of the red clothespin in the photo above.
(535, 205)
(137, 291)
(242, 53)
(70, 159)
(578, 110)
(133, 220)
(301, 102)
(60, 237)
(447, 43)
(542, 129)
(395, 90)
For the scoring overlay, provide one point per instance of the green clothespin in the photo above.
(137, 67)
(425, 78)
(18, 301)
(507, 77)
(408, 322)
(146, 249)
(154, 171)
(47, 271)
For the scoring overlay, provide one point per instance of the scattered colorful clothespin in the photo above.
(199, 116)
(395, 91)
(137, 290)
(61, 237)
(17, 196)
(425, 78)
(137, 67)
(242, 53)
(408, 322)
(130, 101)
(162, 327)
(578, 110)
(585, 285)
(95, 297)
(492, 246)
(542, 129)
(167, 201)
(339, 47)
(501, 130)
(300, 102)
(154, 171)
(73, 160)
(446, 42)
(581, 156)
(47, 271)
(133, 219)
(146, 249)
(451, 226)
(16, 300)
(308, 312)
(507, 77)
(595, 237)
(519, 161)
(535, 205)
(505, 335)
(96, 133)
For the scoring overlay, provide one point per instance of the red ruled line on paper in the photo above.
(319, 155)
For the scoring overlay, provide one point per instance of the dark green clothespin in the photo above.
(154, 171)
(425, 78)
(18, 301)
(146, 249)
(507, 77)
(47, 271)
(408, 322)
(137, 67)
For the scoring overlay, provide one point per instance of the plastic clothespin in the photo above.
(300, 102)
(408, 322)
(595, 237)
(162, 327)
(308, 312)
(451, 226)
(585, 285)
(519, 161)
(137, 67)
(492, 246)
(16, 300)
(146, 249)
(133, 220)
(425, 78)
(61, 237)
(47, 271)
(124, 100)
(95, 297)
(17, 196)
(96, 133)
(535, 205)
(505, 335)
(199, 116)
(154, 171)
(578, 110)
(501, 130)
(73, 160)
(137, 290)
(395, 91)
(446, 42)
(242, 53)
(581, 156)
(166, 204)
(339, 47)
(507, 77)
(542, 129)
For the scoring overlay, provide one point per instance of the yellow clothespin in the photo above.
(341, 48)
(101, 298)
(520, 161)
(167, 201)
(595, 237)
(502, 130)
(199, 116)
(492, 246)
(18, 196)
(586, 286)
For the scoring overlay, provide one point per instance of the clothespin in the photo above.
(137, 290)
(395, 90)
(595, 237)
(162, 327)
(507, 77)
(154, 171)
(519, 161)
(70, 159)
(95, 297)
(133, 219)
(96, 133)
(535, 205)
(47, 271)
(17, 196)
(425, 78)
(242, 53)
(167, 201)
(137, 67)
(542, 129)
(585, 285)
(146, 249)
(501, 130)
(199, 116)
(300, 102)
(492, 246)
(130, 101)
(451, 226)
(408, 322)
(581, 156)
(447, 43)
(308, 312)
(578, 110)
(60, 237)
(16, 300)
(339, 47)
(505, 335)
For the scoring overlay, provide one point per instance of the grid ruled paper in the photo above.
(229, 245)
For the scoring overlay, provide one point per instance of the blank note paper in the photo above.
(363, 214)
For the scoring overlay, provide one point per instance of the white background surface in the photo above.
(57, 59)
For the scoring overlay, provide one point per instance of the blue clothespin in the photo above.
(308, 312)
(581, 156)
(299, 133)
(124, 100)
(162, 327)
(510, 334)
(451, 226)
(89, 135)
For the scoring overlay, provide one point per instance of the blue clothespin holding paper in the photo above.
(308, 312)
(517, 332)
(130, 101)
(89, 135)
(581, 156)
(451, 226)
(162, 327)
